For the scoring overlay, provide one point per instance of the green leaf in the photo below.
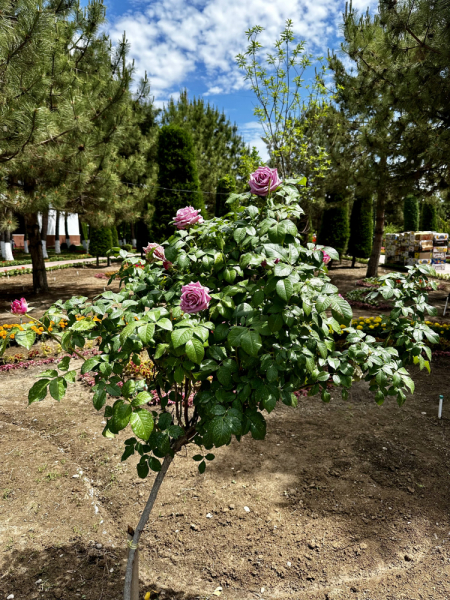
(275, 322)
(38, 391)
(202, 467)
(58, 388)
(181, 336)
(146, 332)
(195, 350)
(99, 399)
(257, 426)
(282, 270)
(284, 289)
(165, 324)
(88, 365)
(63, 364)
(128, 388)
(142, 398)
(160, 349)
(277, 233)
(83, 325)
(221, 332)
(221, 432)
(235, 335)
(251, 342)
(121, 415)
(25, 338)
(49, 373)
(272, 373)
(179, 375)
(126, 332)
(239, 235)
(70, 376)
(154, 464)
(142, 468)
(142, 423)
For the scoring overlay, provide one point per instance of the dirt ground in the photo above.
(347, 500)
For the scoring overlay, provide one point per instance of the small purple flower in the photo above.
(194, 298)
(263, 180)
(188, 216)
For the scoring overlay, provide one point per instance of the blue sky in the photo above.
(192, 44)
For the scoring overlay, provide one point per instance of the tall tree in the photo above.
(411, 213)
(334, 229)
(178, 183)
(218, 145)
(361, 229)
(225, 187)
(65, 108)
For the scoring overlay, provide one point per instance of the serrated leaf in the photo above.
(251, 342)
(38, 391)
(221, 432)
(181, 336)
(142, 398)
(83, 325)
(70, 376)
(142, 423)
(235, 335)
(25, 338)
(284, 289)
(160, 349)
(146, 332)
(121, 415)
(126, 332)
(88, 365)
(48, 373)
(99, 399)
(282, 270)
(165, 324)
(195, 350)
(57, 388)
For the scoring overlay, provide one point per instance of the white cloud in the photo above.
(252, 132)
(175, 40)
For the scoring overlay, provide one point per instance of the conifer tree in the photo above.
(361, 229)
(177, 171)
(225, 187)
(101, 242)
(334, 230)
(429, 217)
(218, 146)
(411, 213)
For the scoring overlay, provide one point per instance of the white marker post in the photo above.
(441, 402)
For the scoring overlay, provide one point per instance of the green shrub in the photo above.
(361, 228)
(114, 237)
(411, 213)
(428, 217)
(127, 247)
(225, 186)
(177, 171)
(335, 230)
(100, 241)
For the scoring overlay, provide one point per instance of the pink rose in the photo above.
(154, 252)
(194, 298)
(326, 257)
(19, 307)
(263, 179)
(187, 216)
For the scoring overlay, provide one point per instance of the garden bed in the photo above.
(347, 500)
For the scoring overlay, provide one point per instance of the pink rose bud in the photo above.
(188, 216)
(277, 260)
(326, 257)
(167, 265)
(263, 180)
(264, 263)
(19, 307)
(194, 298)
(154, 252)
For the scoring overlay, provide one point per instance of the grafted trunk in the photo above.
(66, 229)
(8, 248)
(37, 258)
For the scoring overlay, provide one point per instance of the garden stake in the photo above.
(446, 304)
(441, 401)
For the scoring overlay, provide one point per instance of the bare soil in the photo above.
(347, 500)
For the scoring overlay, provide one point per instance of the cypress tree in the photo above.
(114, 237)
(225, 187)
(101, 242)
(411, 213)
(428, 218)
(177, 171)
(361, 229)
(334, 230)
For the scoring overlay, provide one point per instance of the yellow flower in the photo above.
(342, 326)
(359, 327)
(372, 327)
(97, 319)
(384, 325)
(442, 332)
(12, 336)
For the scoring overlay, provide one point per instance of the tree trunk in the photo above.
(57, 241)
(133, 236)
(2, 244)
(25, 241)
(44, 231)
(37, 258)
(141, 525)
(66, 229)
(8, 249)
(372, 267)
(353, 262)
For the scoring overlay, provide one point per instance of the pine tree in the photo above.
(101, 242)
(59, 74)
(361, 229)
(411, 213)
(114, 237)
(218, 146)
(429, 217)
(177, 171)
(225, 187)
(335, 230)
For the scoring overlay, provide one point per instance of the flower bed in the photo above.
(27, 271)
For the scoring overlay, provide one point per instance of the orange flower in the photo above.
(12, 336)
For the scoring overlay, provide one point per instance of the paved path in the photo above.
(54, 263)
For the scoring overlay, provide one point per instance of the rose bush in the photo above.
(245, 317)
